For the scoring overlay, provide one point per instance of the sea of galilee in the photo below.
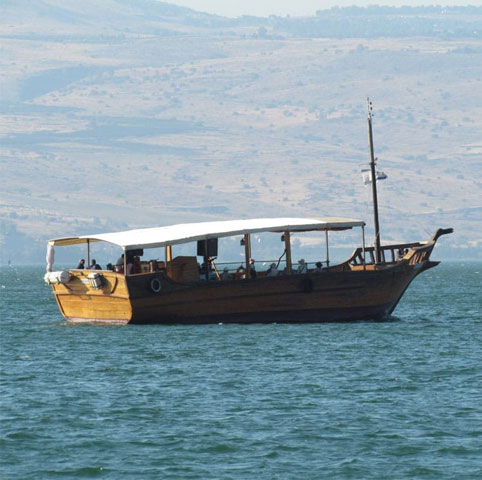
(394, 399)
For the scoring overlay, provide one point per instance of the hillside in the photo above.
(140, 113)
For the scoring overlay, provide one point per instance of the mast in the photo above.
(378, 257)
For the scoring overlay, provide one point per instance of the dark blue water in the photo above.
(400, 399)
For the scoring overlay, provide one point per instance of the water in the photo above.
(397, 399)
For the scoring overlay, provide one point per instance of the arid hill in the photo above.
(135, 114)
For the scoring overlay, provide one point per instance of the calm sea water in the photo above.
(399, 399)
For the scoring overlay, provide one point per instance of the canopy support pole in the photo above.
(327, 250)
(168, 257)
(88, 252)
(288, 252)
(363, 247)
(247, 253)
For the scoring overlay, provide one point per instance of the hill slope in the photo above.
(142, 113)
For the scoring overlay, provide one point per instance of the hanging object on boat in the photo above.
(367, 176)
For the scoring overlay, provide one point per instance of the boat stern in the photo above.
(86, 296)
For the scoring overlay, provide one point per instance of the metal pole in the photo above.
(88, 252)
(374, 185)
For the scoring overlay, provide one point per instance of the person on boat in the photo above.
(136, 265)
(319, 267)
(119, 264)
(94, 265)
(252, 268)
(225, 274)
(81, 264)
(302, 267)
(240, 273)
(207, 270)
(130, 263)
(272, 271)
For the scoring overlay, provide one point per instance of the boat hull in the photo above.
(325, 297)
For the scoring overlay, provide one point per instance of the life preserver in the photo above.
(155, 284)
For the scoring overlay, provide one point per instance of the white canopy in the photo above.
(191, 232)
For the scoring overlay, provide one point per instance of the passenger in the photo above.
(252, 268)
(240, 273)
(225, 274)
(208, 270)
(94, 265)
(81, 264)
(319, 267)
(205, 269)
(302, 267)
(136, 266)
(119, 264)
(272, 271)
(129, 268)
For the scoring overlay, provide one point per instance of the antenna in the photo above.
(378, 256)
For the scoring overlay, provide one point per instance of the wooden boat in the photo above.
(368, 285)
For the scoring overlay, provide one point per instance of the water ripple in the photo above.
(397, 399)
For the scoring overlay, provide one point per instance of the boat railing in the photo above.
(390, 254)
(419, 254)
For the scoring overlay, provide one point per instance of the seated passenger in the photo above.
(252, 268)
(94, 265)
(319, 267)
(119, 264)
(136, 266)
(240, 273)
(302, 267)
(81, 264)
(225, 274)
(272, 271)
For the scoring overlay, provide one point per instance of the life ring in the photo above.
(155, 284)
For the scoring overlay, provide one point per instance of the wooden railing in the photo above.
(390, 254)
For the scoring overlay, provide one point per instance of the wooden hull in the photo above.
(352, 294)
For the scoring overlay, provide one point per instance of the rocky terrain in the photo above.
(139, 113)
